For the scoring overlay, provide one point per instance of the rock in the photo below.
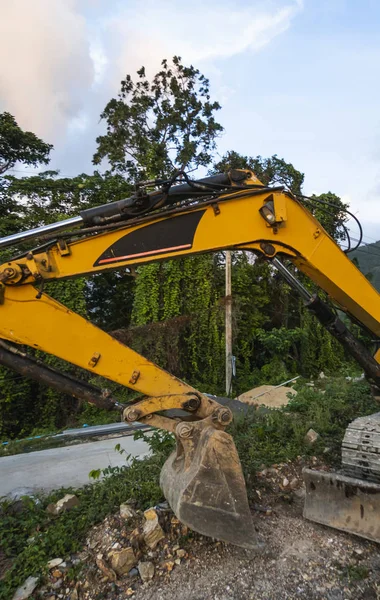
(285, 482)
(299, 496)
(177, 561)
(26, 589)
(133, 572)
(321, 375)
(127, 512)
(109, 573)
(66, 503)
(56, 585)
(168, 565)
(311, 437)
(146, 570)
(130, 592)
(152, 531)
(123, 561)
(268, 395)
(310, 384)
(57, 573)
(272, 471)
(74, 595)
(294, 483)
(181, 553)
(55, 562)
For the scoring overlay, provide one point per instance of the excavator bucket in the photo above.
(204, 485)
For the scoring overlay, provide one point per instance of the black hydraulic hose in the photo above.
(332, 205)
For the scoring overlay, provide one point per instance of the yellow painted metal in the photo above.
(239, 225)
(280, 208)
(47, 325)
(51, 327)
(145, 407)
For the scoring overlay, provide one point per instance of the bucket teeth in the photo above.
(204, 485)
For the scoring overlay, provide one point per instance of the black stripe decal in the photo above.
(166, 236)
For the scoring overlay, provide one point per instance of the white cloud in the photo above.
(64, 59)
(199, 32)
(46, 66)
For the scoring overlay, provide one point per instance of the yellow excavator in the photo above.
(202, 480)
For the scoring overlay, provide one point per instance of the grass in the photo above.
(274, 436)
(32, 537)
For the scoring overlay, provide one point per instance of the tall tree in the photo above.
(153, 128)
(21, 146)
(156, 126)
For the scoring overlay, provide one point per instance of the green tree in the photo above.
(329, 209)
(270, 171)
(51, 197)
(21, 146)
(154, 127)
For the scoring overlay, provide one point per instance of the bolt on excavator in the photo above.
(203, 479)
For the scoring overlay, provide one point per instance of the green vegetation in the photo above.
(273, 436)
(367, 259)
(17, 145)
(30, 537)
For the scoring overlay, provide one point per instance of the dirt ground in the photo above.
(296, 559)
(301, 560)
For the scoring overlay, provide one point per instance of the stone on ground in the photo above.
(146, 570)
(311, 436)
(152, 531)
(55, 562)
(66, 503)
(127, 512)
(26, 589)
(123, 561)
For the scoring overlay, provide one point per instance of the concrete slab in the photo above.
(267, 395)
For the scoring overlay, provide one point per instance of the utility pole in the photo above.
(228, 328)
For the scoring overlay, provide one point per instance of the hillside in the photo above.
(368, 258)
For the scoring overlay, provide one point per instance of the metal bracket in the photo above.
(134, 377)
(63, 248)
(94, 359)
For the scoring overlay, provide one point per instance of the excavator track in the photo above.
(361, 449)
(350, 499)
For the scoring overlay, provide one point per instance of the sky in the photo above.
(296, 78)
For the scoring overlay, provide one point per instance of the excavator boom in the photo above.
(203, 480)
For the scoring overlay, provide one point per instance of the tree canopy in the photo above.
(270, 171)
(21, 146)
(155, 126)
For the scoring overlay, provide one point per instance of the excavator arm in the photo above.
(203, 480)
